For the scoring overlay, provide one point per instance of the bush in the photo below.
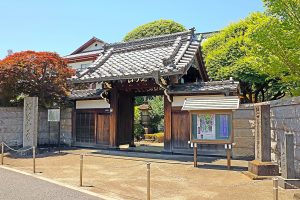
(155, 137)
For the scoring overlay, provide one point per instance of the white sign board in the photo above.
(53, 115)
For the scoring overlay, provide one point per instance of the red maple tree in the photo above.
(29, 73)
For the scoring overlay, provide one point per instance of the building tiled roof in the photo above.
(211, 87)
(166, 55)
(86, 94)
(85, 45)
(87, 53)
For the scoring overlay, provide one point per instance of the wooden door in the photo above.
(180, 130)
(103, 129)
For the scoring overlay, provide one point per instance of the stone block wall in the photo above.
(11, 127)
(243, 130)
(285, 118)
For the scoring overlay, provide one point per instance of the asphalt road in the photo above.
(16, 186)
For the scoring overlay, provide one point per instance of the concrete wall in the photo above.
(11, 127)
(285, 118)
(244, 131)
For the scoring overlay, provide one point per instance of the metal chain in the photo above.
(293, 186)
(17, 150)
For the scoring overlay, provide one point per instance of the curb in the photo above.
(59, 183)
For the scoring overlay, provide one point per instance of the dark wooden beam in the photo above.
(113, 129)
(168, 125)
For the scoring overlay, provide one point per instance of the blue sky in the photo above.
(64, 25)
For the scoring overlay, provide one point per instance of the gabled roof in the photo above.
(165, 55)
(87, 44)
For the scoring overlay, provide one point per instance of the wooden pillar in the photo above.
(195, 155)
(113, 121)
(168, 125)
(131, 120)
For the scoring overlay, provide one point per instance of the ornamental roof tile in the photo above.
(167, 55)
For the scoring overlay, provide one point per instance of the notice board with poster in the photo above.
(211, 127)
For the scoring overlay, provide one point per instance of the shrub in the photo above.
(156, 137)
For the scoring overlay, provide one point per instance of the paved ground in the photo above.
(122, 175)
(16, 186)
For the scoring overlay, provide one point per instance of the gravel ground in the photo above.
(124, 176)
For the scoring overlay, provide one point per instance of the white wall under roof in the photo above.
(94, 46)
(90, 104)
(179, 100)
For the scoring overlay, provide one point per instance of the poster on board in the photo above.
(211, 126)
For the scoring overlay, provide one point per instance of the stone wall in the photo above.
(11, 127)
(285, 118)
(243, 130)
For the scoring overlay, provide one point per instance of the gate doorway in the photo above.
(148, 128)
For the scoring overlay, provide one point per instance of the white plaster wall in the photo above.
(89, 104)
(93, 47)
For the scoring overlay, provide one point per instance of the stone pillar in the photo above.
(288, 175)
(30, 121)
(287, 157)
(262, 166)
(262, 133)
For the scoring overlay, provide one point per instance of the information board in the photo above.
(211, 126)
(53, 115)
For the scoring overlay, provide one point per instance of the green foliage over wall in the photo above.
(155, 28)
(229, 53)
(277, 41)
(261, 51)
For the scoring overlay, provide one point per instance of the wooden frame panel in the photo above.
(228, 112)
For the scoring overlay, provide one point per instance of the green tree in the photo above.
(277, 42)
(138, 129)
(156, 113)
(229, 54)
(155, 28)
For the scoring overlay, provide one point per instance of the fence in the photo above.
(150, 178)
(3, 145)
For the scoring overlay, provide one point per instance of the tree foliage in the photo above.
(138, 129)
(29, 73)
(155, 28)
(277, 42)
(156, 113)
(229, 53)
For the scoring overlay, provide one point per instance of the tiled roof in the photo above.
(228, 86)
(167, 55)
(213, 87)
(85, 45)
(87, 53)
(85, 94)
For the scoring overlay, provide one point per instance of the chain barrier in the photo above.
(116, 164)
(291, 185)
(17, 150)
